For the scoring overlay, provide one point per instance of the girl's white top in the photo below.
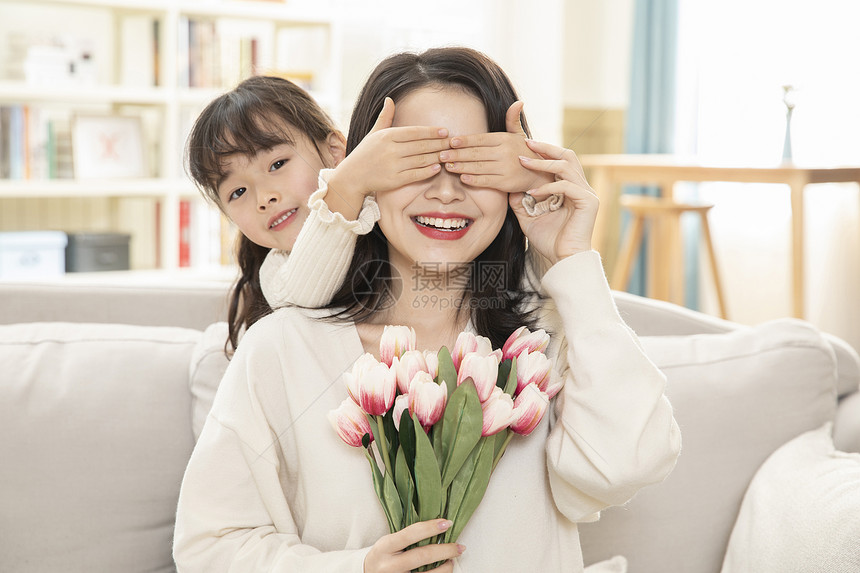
(320, 258)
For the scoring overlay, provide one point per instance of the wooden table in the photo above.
(606, 172)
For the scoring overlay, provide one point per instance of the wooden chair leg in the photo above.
(706, 235)
(624, 264)
(676, 260)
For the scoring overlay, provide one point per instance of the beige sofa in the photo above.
(103, 388)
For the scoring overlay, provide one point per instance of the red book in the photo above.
(185, 233)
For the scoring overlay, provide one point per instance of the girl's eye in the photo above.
(237, 193)
(277, 164)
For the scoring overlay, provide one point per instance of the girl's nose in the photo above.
(446, 187)
(266, 197)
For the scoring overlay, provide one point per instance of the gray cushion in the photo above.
(95, 433)
(737, 397)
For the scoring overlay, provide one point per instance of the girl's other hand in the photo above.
(387, 158)
(389, 554)
(491, 160)
(568, 230)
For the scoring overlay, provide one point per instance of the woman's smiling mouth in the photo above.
(442, 228)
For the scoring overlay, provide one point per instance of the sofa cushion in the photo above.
(737, 397)
(95, 433)
(801, 513)
(208, 363)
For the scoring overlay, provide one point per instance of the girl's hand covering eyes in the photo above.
(568, 230)
(387, 158)
(491, 160)
(389, 554)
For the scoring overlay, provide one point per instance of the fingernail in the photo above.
(443, 132)
(524, 159)
(449, 166)
(466, 178)
(460, 548)
(443, 156)
(443, 525)
(455, 142)
(436, 166)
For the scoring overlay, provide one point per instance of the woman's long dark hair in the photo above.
(495, 296)
(260, 113)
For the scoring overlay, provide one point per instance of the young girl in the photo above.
(256, 152)
(271, 487)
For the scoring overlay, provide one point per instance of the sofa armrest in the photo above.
(650, 317)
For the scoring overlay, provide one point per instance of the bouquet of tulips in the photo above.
(441, 421)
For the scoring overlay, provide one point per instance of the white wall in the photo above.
(597, 49)
(524, 38)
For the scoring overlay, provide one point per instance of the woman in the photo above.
(271, 487)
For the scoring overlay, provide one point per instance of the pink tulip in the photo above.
(431, 359)
(554, 384)
(350, 422)
(529, 408)
(401, 404)
(395, 341)
(468, 343)
(522, 339)
(427, 399)
(375, 388)
(497, 411)
(406, 366)
(483, 370)
(532, 368)
(359, 368)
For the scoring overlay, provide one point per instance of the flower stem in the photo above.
(383, 447)
(502, 450)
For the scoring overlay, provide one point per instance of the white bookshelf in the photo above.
(170, 106)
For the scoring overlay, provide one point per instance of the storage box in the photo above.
(88, 252)
(32, 254)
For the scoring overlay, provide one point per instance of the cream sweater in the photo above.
(270, 486)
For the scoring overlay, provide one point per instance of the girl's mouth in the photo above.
(282, 218)
(444, 228)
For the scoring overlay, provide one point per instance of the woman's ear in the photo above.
(335, 146)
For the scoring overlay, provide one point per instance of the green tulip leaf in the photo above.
(504, 370)
(407, 441)
(446, 372)
(428, 480)
(392, 502)
(374, 428)
(462, 424)
(511, 385)
(468, 487)
(390, 431)
(379, 488)
(405, 488)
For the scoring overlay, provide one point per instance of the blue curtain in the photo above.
(650, 123)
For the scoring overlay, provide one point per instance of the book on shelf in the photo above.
(185, 233)
(200, 238)
(35, 143)
(140, 50)
(215, 53)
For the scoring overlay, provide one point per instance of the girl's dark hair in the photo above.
(258, 114)
(494, 295)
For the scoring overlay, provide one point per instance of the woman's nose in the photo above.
(446, 187)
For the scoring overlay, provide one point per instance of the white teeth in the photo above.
(439, 223)
(282, 219)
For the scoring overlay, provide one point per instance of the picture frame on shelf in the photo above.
(108, 146)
